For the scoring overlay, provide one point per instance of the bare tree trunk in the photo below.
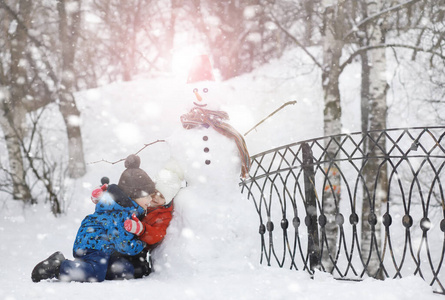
(13, 120)
(364, 103)
(17, 172)
(170, 34)
(309, 9)
(71, 117)
(68, 31)
(332, 50)
(375, 170)
(133, 25)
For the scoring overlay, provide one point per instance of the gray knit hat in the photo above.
(134, 181)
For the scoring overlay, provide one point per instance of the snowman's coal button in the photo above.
(206, 150)
(205, 138)
(207, 162)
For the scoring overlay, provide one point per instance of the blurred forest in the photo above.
(51, 49)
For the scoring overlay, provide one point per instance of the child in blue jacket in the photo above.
(103, 233)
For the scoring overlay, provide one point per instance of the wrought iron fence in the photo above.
(372, 204)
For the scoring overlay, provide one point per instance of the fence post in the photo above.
(311, 207)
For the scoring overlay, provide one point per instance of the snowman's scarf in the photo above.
(204, 117)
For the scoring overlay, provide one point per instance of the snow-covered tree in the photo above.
(351, 29)
(333, 29)
(69, 16)
(14, 77)
(37, 69)
(374, 171)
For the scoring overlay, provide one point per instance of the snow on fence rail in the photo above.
(309, 220)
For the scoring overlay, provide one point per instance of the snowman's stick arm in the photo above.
(277, 110)
(122, 159)
(146, 145)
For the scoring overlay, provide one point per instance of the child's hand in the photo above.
(134, 226)
(97, 193)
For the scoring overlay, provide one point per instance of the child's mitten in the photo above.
(134, 226)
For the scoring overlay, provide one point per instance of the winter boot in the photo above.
(49, 268)
(141, 266)
(142, 269)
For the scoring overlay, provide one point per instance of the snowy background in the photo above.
(120, 118)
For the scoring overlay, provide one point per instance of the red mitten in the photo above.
(134, 226)
(97, 193)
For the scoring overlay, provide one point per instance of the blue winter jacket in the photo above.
(104, 229)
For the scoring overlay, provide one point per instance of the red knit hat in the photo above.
(201, 70)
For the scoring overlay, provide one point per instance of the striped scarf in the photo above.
(204, 117)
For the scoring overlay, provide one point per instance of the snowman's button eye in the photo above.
(195, 90)
(205, 90)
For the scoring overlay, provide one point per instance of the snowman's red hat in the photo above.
(201, 70)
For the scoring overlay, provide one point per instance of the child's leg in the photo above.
(123, 266)
(91, 267)
(119, 267)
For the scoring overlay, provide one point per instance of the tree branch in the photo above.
(380, 14)
(39, 45)
(294, 39)
(364, 49)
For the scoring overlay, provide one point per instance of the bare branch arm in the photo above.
(278, 109)
(123, 159)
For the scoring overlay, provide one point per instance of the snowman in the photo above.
(213, 224)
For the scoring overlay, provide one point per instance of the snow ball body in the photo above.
(214, 225)
(208, 158)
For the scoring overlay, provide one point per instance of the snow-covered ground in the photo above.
(119, 119)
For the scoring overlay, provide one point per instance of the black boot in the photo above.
(141, 266)
(49, 268)
(142, 269)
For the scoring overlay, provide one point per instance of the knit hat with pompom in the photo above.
(169, 180)
(134, 181)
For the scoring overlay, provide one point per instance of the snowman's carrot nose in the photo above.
(198, 96)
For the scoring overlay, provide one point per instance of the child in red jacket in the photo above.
(154, 224)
